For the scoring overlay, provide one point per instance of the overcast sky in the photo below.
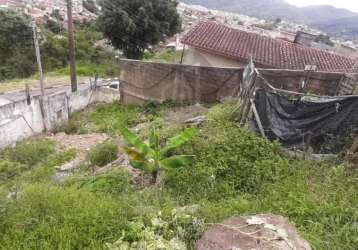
(348, 4)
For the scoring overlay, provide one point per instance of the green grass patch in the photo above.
(103, 154)
(164, 57)
(50, 217)
(108, 118)
(103, 70)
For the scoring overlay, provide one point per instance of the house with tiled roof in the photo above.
(213, 44)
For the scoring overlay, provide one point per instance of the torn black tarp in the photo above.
(319, 120)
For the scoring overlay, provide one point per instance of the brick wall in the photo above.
(145, 81)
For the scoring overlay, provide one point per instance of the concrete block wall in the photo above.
(144, 81)
(18, 120)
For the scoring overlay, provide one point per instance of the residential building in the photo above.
(213, 44)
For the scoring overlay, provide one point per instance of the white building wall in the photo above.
(197, 57)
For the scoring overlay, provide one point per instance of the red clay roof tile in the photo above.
(266, 51)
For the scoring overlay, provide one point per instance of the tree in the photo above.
(17, 58)
(133, 25)
(91, 6)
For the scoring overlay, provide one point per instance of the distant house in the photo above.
(212, 44)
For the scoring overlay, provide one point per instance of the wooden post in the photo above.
(71, 45)
(182, 55)
(27, 92)
(257, 117)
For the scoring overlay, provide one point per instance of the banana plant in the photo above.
(150, 157)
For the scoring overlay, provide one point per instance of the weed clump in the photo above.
(30, 152)
(54, 217)
(113, 183)
(10, 170)
(108, 118)
(103, 153)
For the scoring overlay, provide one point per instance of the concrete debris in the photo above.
(123, 161)
(198, 121)
(265, 231)
(300, 155)
(64, 172)
(70, 166)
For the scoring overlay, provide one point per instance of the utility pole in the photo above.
(71, 45)
(38, 58)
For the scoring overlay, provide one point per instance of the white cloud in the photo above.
(347, 4)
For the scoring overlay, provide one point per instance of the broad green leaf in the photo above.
(177, 161)
(134, 154)
(144, 166)
(135, 141)
(179, 140)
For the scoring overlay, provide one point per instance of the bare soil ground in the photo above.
(181, 114)
(81, 143)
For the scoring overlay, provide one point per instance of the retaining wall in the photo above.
(18, 120)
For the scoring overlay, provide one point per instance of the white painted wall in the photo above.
(18, 120)
(197, 57)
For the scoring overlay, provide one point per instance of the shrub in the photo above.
(229, 160)
(103, 153)
(30, 152)
(109, 118)
(50, 217)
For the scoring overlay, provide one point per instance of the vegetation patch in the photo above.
(103, 154)
(48, 217)
(109, 118)
(234, 172)
(29, 152)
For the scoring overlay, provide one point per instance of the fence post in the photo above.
(27, 93)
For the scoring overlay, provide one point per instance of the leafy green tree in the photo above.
(134, 25)
(91, 6)
(151, 157)
(17, 57)
(54, 48)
